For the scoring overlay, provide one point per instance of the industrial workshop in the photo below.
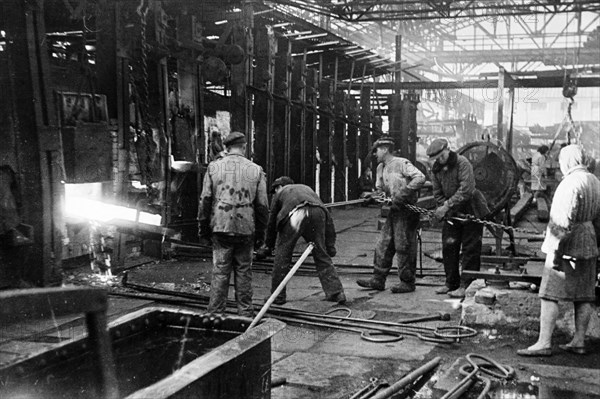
(288, 199)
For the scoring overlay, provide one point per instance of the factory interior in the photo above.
(117, 115)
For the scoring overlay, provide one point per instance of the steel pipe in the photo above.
(282, 285)
(408, 379)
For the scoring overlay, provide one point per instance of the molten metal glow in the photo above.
(84, 208)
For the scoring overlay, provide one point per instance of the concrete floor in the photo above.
(319, 363)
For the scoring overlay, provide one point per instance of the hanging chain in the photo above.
(145, 108)
(462, 218)
(141, 94)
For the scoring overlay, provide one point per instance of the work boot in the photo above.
(443, 290)
(372, 283)
(402, 288)
(278, 300)
(339, 297)
(457, 293)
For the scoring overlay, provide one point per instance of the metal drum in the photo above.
(496, 172)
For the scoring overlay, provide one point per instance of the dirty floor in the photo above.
(321, 363)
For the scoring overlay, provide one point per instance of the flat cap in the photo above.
(281, 181)
(235, 138)
(383, 140)
(436, 147)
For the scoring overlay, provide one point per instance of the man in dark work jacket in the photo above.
(297, 211)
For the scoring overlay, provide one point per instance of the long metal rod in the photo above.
(282, 285)
(408, 379)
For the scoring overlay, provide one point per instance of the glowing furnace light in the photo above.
(85, 208)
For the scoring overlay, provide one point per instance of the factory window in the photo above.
(538, 106)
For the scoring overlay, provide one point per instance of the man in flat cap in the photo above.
(455, 193)
(233, 212)
(401, 181)
(297, 211)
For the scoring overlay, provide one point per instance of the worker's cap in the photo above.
(281, 181)
(235, 138)
(436, 147)
(384, 140)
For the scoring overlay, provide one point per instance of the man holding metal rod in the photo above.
(233, 213)
(401, 181)
(297, 211)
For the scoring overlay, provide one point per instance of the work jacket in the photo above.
(399, 179)
(286, 201)
(574, 216)
(454, 185)
(234, 198)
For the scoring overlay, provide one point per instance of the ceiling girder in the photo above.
(385, 10)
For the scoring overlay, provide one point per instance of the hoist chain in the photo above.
(141, 93)
(143, 12)
(462, 218)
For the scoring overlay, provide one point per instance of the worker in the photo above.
(571, 246)
(455, 193)
(399, 180)
(538, 172)
(297, 211)
(233, 212)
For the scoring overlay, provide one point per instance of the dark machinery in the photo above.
(496, 173)
(496, 176)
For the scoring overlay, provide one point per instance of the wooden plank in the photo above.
(519, 209)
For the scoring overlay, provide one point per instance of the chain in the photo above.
(144, 61)
(141, 94)
(462, 218)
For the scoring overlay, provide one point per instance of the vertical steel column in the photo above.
(408, 143)
(296, 160)
(398, 73)
(365, 138)
(338, 147)
(265, 47)
(500, 99)
(310, 135)
(281, 109)
(241, 73)
(509, 136)
(352, 145)
(287, 93)
(324, 138)
(37, 141)
(395, 119)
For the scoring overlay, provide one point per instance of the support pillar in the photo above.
(34, 138)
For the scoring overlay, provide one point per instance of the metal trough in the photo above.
(158, 353)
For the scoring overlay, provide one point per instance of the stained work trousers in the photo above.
(466, 236)
(398, 237)
(232, 254)
(307, 222)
